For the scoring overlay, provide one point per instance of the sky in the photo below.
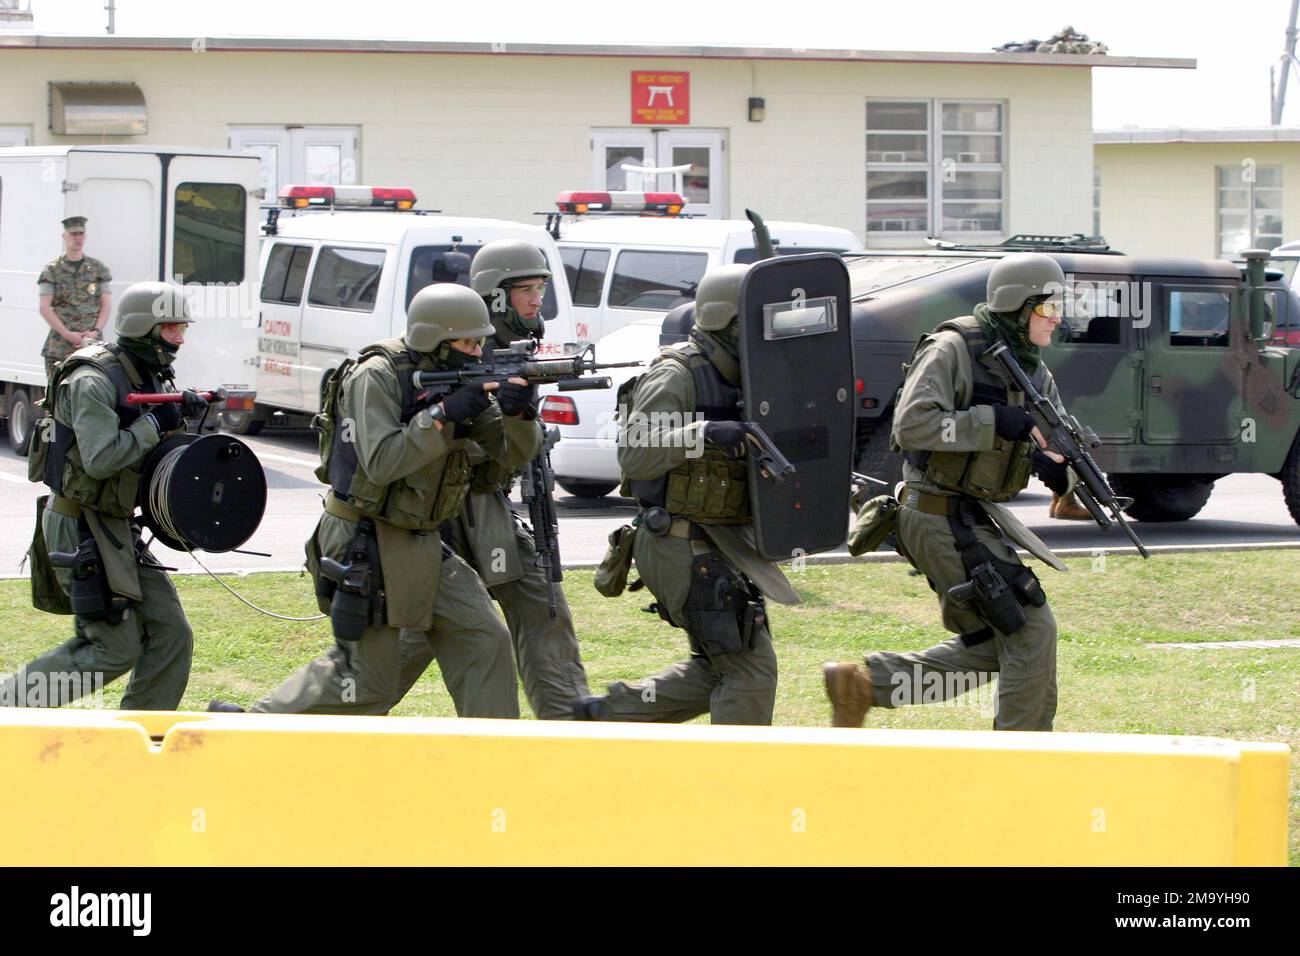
(1234, 44)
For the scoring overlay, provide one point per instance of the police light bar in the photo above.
(646, 204)
(374, 197)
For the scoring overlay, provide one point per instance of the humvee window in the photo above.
(1199, 318)
(1093, 312)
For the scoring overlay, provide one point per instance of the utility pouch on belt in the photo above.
(611, 575)
(358, 586)
(876, 520)
(90, 595)
(716, 608)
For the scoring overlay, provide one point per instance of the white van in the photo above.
(626, 268)
(153, 212)
(337, 277)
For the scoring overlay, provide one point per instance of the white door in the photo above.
(279, 324)
(302, 155)
(15, 136)
(702, 150)
(118, 193)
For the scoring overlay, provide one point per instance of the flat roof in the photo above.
(331, 45)
(1198, 134)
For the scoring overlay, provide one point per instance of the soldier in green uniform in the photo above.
(398, 467)
(968, 443)
(681, 450)
(74, 295)
(511, 276)
(91, 460)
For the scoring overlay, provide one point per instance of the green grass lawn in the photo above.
(1110, 679)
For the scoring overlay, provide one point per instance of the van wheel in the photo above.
(242, 423)
(20, 421)
(1163, 497)
(1290, 478)
(874, 458)
(587, 489)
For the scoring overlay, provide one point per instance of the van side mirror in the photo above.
(454, 263)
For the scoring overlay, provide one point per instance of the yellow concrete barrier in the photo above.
(92, 788)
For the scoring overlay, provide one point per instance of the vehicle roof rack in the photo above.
(1033, 242)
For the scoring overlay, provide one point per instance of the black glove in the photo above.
(167, 417)
(1054, 474)
(725, 434)
(466, 403)
(193, 405)
(516, 399)
(1012, 422)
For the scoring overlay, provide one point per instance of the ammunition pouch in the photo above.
(611, 575)
(875, 521)
(721, 612)
(998, 591)
(354, 590)
(90, 596)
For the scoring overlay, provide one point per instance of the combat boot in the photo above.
(848, 685)
(223, 707)
(1067, 508)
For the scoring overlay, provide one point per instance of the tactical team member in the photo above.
(694, 541)
(968, 443)
(74, 297)
(129, 617)
(398, 466)
(511, 276)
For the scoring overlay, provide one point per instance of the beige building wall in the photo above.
(1161, 199)
(500, 135)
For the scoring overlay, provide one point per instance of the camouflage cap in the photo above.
(75, 224)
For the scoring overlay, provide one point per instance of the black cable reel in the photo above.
(202, 493)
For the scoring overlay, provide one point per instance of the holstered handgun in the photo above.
(90, 595)
(358, 599)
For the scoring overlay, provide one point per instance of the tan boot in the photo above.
(1056, 500)
(848, 685)
(1069, 509)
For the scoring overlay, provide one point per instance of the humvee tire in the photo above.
(1163, 497)
(874, 459)
(1290, 478)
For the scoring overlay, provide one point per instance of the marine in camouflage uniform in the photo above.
(510, 275)
(91, 460)
(969, 444)
(74, 296)
(687, 465)
(398, 467)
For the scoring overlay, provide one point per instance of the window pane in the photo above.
(1198, 318)
(1089, 330)
(695, 181)
(572, 259)
(592, 278)
(973, 117)
(269, 154)
(896, 184)
(1268, 176)
(1268, 199)
(1234, 198)
(347, 278)
(896, 147)
(655, 280)
(324, 164)
(972, 217)
(1230, 176)
(615, 157)
(972, 149)
(208, 236)
(277, 269)
(974, 186)
(897, 216)
(907, 116)
(297, 275)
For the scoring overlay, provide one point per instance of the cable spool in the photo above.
(204, 494)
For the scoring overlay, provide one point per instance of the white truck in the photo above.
(340, 264)
(153, 212)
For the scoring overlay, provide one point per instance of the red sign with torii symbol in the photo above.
(661, 99)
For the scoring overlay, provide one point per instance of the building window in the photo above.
(914, 189)
(1250, 208)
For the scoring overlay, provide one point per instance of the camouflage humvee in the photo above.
(1157, 356)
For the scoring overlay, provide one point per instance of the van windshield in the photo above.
(427, 267)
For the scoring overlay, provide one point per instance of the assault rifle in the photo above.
(519, 361)
(536, 488)
(1068, 438)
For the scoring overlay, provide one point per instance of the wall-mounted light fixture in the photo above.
(757, 109)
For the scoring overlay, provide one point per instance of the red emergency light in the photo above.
(375, 197)
(645, 204)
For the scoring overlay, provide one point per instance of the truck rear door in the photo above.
(118, 193)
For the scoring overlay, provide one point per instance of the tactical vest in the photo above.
(62, 468)
(1002, 471)
(418, 501)
(710, 489)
